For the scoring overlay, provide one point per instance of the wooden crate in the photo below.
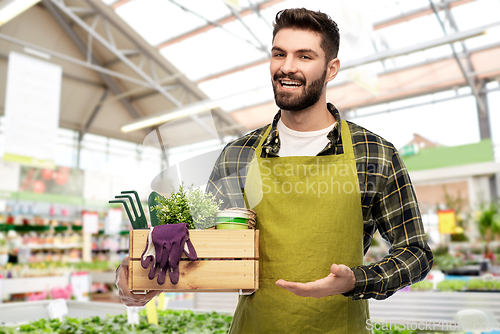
(227, 262)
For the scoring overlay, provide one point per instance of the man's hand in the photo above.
(340, 280)
(127, 297)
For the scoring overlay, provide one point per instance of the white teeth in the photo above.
(291, 83)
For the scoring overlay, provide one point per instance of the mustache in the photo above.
(294, 77)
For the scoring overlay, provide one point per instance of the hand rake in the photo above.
(138, 221)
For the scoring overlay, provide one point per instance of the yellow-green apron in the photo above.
(309, 216)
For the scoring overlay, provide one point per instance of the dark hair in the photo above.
(305, 19)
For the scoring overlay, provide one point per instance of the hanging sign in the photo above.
(58, 309)
(80, 283)
(90, 222)
(133, 315)
(32, 102)
(447, 221)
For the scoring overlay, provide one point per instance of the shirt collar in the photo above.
(272, 143)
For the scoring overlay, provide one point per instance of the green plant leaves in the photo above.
(489, 219)
(170, 321)
(482, 285)
(424, 285)
(204, 207)
(191, 206)
(451, 285)
(174, 209)
(447, 262)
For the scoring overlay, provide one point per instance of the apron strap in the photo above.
(258, 150)
(344, 132)
(346, 138)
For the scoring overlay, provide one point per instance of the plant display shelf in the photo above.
(21, 312)
(227, 262)
(106, 277)
(431, 306)
(33, 284)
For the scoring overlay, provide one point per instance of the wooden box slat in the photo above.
(220, 244)
(200, 276)
(232, 264)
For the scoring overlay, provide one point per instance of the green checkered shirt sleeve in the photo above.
(391, 204)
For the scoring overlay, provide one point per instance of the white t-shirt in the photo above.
(302, 143)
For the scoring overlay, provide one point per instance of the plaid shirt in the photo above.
(388, 202)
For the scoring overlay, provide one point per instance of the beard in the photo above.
(309, 96)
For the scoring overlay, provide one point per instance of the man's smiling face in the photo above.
(298, 69)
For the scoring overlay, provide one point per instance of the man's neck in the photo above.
(314, 118)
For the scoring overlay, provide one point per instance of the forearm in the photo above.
(404, 266)
(395, 212)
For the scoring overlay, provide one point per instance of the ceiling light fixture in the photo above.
(12, 8)
(162, 118)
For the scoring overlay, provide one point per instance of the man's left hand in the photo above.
(340, 280)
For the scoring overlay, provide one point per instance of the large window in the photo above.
(448, 118)
(101, 154)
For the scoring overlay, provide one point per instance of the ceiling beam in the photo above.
(113, 61)
(416, 13)
(68, 76)
(151, 93)
(219, 22)
(261, 47)
(379, 56)
(92, 33)
(352, 112)
(110, 83)
(255, 8)
(475, 50)
(93, 115)
(139, 91)
(468, 78)
(76, 61)
(152, 80)
(412, 81)
(233, 70)
(475, 84)
(448, 39)
(118, 3)
(152, 54)
(237, 16)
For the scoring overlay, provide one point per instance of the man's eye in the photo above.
(278, 55)
(306, 57)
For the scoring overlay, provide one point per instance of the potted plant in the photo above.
(192, 206)
(489, 225)
(457, 203)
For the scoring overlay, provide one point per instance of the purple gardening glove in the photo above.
(164, 249)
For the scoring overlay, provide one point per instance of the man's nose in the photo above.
(289, 65)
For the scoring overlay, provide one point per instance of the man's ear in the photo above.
(332, 69)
